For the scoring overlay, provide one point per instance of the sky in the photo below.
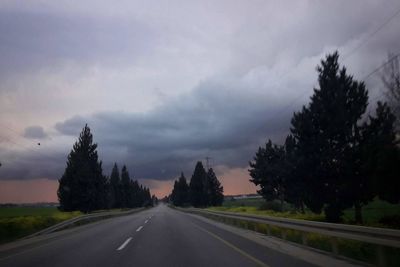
(164, 84)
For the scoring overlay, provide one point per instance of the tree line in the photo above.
(203, 190)
(336, 156)
(83, 186)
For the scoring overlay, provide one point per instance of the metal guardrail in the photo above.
(378, 236)
(84, 218)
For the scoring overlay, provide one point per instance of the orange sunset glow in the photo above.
(235, 182)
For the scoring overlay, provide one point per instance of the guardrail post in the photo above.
(381, 256)
(334, 244)
(304, 238)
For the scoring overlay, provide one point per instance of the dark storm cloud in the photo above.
(256, 60)
(35, 132)
(225, 124)
(32, 164)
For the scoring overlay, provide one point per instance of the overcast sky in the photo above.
(163, 84)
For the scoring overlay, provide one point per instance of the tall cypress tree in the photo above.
(137, 194)
(215, 189)
(82, 186)
(115, 187)
(126, 190)
(180, 192)
(197, 186)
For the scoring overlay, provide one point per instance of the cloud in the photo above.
(164, 86)
(216, 120)
(37, 40)
(35, 132)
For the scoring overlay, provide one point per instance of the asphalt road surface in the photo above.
(160, 236)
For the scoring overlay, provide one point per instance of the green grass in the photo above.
(16, 222)
(248, 202)
(374, 213)
(7, 212)
(288, 214)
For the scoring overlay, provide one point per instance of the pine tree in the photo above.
(83, 186)
(148, 199)
(268, 172)
(381, 155)
(180, 192)
(126, 191)
(214, 189)
(197, 189)
(326, 133)
(115, 187)
(294, 186)
(137, 194)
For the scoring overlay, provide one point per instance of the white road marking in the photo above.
(146, 221)
(124, 244)
(140, 228)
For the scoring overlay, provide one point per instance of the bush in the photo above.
(393, 221)
(270, 205)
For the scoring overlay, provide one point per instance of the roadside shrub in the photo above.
(270, 205)
(393, 221)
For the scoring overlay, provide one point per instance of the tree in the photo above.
(391, 80)
(180, 192)
(293, 173)
(326, 133)
(115, 187)
(126, 189)
(382, 154)
(214, 189)
(83, 186)
(148, 200)
(197, 189)
(137, 194)
(268, 172)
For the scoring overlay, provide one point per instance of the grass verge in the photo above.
(17, 222)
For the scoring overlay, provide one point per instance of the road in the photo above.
(160, 236)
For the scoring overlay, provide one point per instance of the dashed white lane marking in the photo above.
(124, 244)
(140, 228)
(146, 221)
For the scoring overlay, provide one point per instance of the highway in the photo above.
(159, 236)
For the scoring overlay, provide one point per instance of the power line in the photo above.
(21, 145)
(14, 131)
(366, 77)
(381, 66)
(348, 55)
(386, 22)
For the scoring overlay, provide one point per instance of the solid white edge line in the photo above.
(140, 228)
(124, 244)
